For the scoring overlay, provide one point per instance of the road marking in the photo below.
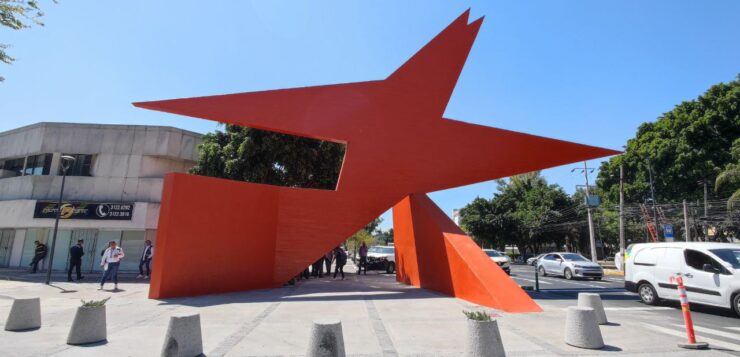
(733, 328)
(718, 343)
(632, 308)
(531, 280)
(645, 308)
(732, 336)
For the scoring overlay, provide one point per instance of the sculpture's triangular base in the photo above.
(434, 253)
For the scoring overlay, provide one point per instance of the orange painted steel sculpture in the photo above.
(219, 235)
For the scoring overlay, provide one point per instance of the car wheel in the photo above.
(567, 273)
(542, 271)
(648, 294)
(391, 268)
(736, 304)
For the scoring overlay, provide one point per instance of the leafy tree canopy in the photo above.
(683, 148)
(17, 15)
(258, 156)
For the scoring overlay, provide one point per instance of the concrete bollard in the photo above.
(89, 326)
(484, 339)
(25, 314)
(581, 329)
(183, 338)
(326, 339)
(593, 301)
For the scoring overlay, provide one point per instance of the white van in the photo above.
(710, 271)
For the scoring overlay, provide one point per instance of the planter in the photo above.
(25, 314)
(484, 339)
(326, 339)
(89, 326)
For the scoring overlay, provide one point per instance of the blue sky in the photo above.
(583, 71)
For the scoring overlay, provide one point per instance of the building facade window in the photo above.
(13, 165)
(80, 167)
(38, 165)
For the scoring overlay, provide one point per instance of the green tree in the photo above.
(684, 148)
(17, 15)
(354, 242)
(516, 214)
(258, 156)
(729, 179)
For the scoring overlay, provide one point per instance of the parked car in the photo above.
(501, 259)
(382, 258)
(533, 260)
(710, 272)
(569, 265)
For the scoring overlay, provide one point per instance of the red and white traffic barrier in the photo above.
(692, 344)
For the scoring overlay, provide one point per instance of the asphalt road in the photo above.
(714, 325)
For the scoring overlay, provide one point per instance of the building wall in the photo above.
(129, 163)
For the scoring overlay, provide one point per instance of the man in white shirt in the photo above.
(145, 260)
(110, 262)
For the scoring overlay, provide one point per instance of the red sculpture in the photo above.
(218, 235)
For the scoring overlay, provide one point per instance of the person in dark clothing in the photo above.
(39, 255)
(317, 269)
(363, 259)
(145, 260)
(75, 260)
(341, 258)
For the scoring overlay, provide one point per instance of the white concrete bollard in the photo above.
(484, 339)
(89, 326)
(593, 301)
(326, 339)
(581, 329)
(183, 338)
(25, 314)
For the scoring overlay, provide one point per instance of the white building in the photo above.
(112, 191)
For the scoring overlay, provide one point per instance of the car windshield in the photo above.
(731, 256)
(381, 250)
(492, 253)
(574, 257)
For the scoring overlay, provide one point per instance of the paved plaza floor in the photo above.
(380, 317)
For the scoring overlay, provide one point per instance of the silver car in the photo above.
(569, 265)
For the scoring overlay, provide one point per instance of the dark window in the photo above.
(550, 257)
(15, 165)
(731, 256)
(696, 260)
(38, 165)
(80, 167)
(574, 257)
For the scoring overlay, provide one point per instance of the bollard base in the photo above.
(694, 346)
(527, 287)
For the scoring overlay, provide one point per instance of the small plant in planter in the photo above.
(94, 303)
(477, 315)
(89, 325)
(484, 338)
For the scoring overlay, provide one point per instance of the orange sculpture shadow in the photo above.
(218, 236)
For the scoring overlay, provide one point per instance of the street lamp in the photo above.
(66, 162)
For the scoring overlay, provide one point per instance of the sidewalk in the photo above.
(380, 317)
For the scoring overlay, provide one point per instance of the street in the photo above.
(719, 327)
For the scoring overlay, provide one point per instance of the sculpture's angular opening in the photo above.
(260, 156)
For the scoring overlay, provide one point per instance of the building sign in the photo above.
(85, 210)
(668, 232)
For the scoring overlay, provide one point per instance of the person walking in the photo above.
(363, 259)
(38, 255)
(341, 258)
(75, 260)
(145, 260)
(317, 268)
(110, 262)
(328, 257)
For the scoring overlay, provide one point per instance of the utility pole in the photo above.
(686, 222)
(621, 212)
(591, 235)
(652, 197)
